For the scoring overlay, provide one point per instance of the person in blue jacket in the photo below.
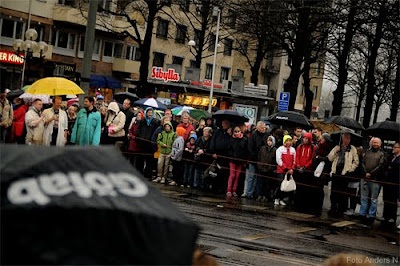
(87, 128)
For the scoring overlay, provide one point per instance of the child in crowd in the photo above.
(176, 157)
(188, 155)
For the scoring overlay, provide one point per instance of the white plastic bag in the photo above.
(319, 169)
(288, 185)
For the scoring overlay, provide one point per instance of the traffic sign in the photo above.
(284, 96)
(283, 106)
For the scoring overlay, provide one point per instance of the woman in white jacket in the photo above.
(115, 122)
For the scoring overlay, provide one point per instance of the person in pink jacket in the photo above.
(286, 160)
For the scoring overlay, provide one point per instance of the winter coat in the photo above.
(256, 141)
(305, 155)
(19, 119)
(321, 155)
(203, 144)
(187, 154)
(374, 163)
(34, 127)
(392, 169)
(220, 143)
(167, 138)
(350, 160)
(238, 150)
(145, 132)
(6, 112)
(177, 149)
(188, 129)
(116, 121)
(267, 159)
(285, 159)
(62, 127)
(133, 147)
(87, 128)
(128, 119)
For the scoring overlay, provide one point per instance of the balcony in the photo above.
(69, 14)
(125, 65)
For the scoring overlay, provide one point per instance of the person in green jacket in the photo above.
(87, 128)
(165, 140)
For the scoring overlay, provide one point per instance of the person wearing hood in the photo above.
(374, 165)
(87, 128)
(145, 131)
(176, 157)
(266, 166)
(238, 150)
(307, 195)
(321, 155)
(165, 139)
(286, 163)
(188, 155)
(19, 120)
(115, 124)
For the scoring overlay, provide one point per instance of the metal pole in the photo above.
(215, 59)
(89, 42)
(29, 26)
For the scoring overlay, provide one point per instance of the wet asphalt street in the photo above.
(240, 231)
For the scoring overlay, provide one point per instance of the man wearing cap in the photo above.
(100, 102)
(6, 116)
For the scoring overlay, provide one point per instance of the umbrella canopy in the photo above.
(121, 96)
(27, 97)
(72, 101)
(14, 94)
(344, 121)
(356, 139)
(180, 109)
(151, 102)
(290, 119)
(232, 116)
(387, 130)
(54, 86)
(24, 88)
(199, 114)
(86, 205)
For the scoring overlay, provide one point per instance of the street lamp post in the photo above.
(217, 13)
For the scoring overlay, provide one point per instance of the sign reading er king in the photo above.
(284, 98)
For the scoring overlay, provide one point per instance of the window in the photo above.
(240, 73)
(12, 28)
(132, 53)
(315, 91)
(231, 19)
(209, 69)
(108, 49)
(104, 5)
(162, 29)
(243, 46)
(158, 59)
(40, 31)
(67, 2)
(228, 47)
(96, 46)
(283, 84)
(118, 47)
(177, 60)
(224, 74)
(318, 68)
(63, 39)
(211, 47)
(193, 63)
(196, 36)
(181, 31)
(184, 5)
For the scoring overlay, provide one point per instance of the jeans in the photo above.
(250, 181)
(235, 170)
(262, 184)
(163, 166)
(188, 176)
(3, 133)
(198, 172)
(369, 189)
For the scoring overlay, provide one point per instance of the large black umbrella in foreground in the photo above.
(121, 96)
(387, 130)
(85, 206)
(356, 139)
(344, 121)
(290, 119)
(232, 116)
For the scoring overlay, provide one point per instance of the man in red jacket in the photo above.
(307, 193)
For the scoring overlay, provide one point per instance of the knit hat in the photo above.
(327, 137)
(141, 114)
(193, 136)
(286, 137)
(309, 136)
(180, 131)
(273, 140)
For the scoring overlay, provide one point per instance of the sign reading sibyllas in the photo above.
(170, 75)
(11, 58)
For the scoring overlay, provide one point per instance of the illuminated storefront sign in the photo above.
(170, 75)
(11, 58)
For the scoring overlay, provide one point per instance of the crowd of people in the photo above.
(221, 156)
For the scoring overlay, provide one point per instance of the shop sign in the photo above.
(170, 75)
(11, 58)
(248, 110)
(206, 83)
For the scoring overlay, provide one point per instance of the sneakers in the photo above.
(244, 195)
(234, 194)
(276, 202)
(162, 181)
(182, 185)
(158, 179)
(349, 212)
(172, 183)
(229, 194)
(281, 202)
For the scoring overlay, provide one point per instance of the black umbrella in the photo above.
(232, 115)
(344, 121)
(86, 206)
(290, 119)
(387, 130)
(14, 94)
(356, 139)
(121, 96)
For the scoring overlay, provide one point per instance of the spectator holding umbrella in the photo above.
(19, 120)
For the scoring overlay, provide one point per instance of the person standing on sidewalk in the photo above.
(188, 155)
(286, 161)
(374, 164)
(6, 116)
(165, 139)
(266, 167)
(202, 157)
(238, 156)
(34, 122)
(55, 125)
(256, 141)
(176, 157)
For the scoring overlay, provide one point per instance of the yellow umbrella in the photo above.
(54, 86)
